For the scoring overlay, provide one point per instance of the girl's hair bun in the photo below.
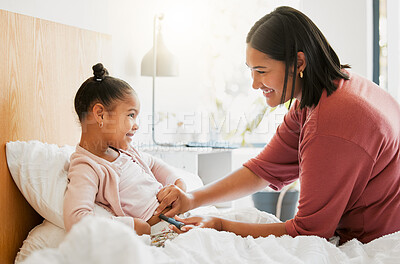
(99, 72)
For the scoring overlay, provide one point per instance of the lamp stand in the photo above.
(156, 18)
(156, 28)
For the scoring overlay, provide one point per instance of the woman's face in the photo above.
(269, 76)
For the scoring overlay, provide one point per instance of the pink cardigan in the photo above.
(95, 180)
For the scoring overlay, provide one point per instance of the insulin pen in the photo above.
(172, 221)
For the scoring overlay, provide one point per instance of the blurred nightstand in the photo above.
(210, 164)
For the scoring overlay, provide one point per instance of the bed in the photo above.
(44, 64)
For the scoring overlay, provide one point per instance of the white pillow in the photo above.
(44, 235)
(40, 172)
(191, 180)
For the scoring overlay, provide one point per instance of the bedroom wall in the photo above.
(348, 27)
(88, 14)
(393, 35)
(130, 24)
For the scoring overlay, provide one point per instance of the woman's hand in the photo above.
(198, 221)
(173, 201)
(141, 227)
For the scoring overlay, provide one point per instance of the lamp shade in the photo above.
(167, 63)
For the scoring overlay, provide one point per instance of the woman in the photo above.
(340, 138)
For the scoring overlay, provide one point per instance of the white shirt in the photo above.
(137, 188)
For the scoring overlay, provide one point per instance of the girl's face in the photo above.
(120, 124)
(269, 76)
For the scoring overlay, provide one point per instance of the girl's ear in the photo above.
(301, 61)
(98, 111)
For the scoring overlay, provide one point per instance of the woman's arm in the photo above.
(237, 184)
(276, 165)
(254, 230)
(242, 229)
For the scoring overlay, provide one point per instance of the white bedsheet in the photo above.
(100, 240)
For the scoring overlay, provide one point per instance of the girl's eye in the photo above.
(132, 115)
(261, 72)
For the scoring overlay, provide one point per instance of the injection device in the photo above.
(172, 221)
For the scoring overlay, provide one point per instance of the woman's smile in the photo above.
(267, 92)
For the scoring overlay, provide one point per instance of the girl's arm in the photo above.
(80, 196)
(141, 227)
(164, 173)
(180, 184)
(81, 193)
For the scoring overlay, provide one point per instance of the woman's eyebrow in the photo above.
(256, 67)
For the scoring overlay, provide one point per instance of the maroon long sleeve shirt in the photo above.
(345, 151)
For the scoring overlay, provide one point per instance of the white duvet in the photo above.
(99, 240)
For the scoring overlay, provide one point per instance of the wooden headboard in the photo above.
(42, 65)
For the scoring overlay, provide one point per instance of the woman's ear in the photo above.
(98, 111)
(301, 61)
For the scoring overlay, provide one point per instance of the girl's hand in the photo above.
(173, 201)
(141, 227)
(198, 222)
(181, 184)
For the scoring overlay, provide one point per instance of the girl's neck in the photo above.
(98, 147)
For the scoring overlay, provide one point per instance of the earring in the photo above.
(301, 75)
(101, 124)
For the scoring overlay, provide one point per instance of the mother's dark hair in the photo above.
(286, 31)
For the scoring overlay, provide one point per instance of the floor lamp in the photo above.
(158, 61)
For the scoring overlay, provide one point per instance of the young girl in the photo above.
(105, 169)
